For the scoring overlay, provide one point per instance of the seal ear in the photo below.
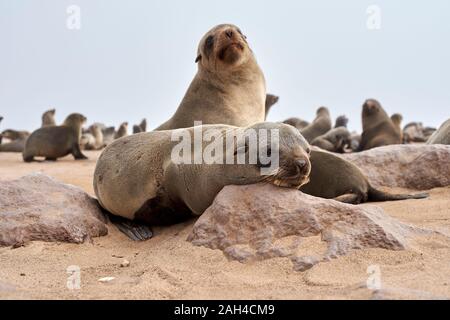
(199, 57)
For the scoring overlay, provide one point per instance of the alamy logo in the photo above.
(74, 279)
(373, 17)
(73, 21)
(374, 280)
(214, 146)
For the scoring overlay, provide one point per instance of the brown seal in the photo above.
(1, 118)
(335, 140)
(378, 128)
(297, 123)
(122, 132)
(17, 140)
(414, 132)
(335, 178)
(229, 86)
(271, 100)
(397, 119)
(142, 127)
(442, 135)
(137, 178)
(341, 121)
(54, 142)
(320, 125)
(48, 118)
(93, 140)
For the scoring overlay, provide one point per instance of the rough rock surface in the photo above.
(262, 221)
(413, 166)
(37, 207)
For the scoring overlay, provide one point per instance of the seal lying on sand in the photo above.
(48, 118)
(136, 177)
(297, 123)
(142, 127)
(122, 132)
(54, 142)
(93, 140)
(378, 128)
(229, 83)
(320, 125)
(335, 178)
(335, 140)
(442, 135)
(17, 140)
(271, 100)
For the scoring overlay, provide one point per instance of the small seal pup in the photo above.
(378, 128)
(271, 100)
(54, 142)
(320, 125)
(142, 127)
(229, 86)
(335, 140)
(442, 135)
(413, 132)
(297, 123)
(122, 132)
(335, 178)
(17, 140)
(341, 121)
(48, 118)
(137, 177)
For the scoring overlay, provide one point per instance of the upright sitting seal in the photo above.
(136, 177)
(54, 142)
(17, 140)
(341, 121)
(229, 83)
(297, 123)
(142, 127)
(122, 132)
(397, 119)
(48, 118)
(442, 135)
(378, 128)
(335, 140)
(271, 100)
(335, 178)
(320, 125)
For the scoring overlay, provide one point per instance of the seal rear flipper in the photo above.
(351, 198)
(134, 231)
(378, 195)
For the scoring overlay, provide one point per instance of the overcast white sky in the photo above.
(135, 59)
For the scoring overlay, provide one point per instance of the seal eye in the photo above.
(209, 42)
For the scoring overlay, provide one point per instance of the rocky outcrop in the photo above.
(420, 167)
(262, 221)
(37, 207)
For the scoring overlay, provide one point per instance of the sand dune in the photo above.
(169, 267)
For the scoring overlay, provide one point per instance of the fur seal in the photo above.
(335, 178)
(378, 128)
(1, 118)
(142, 127)
(271, 100)
(17, 140)
(56, 141)
(122, 132)
(341, 121)
(108, 135)
(320, 125)
(297, 123)
(397, 119)
(93, 140)
(137, 179)
(442, 135)
(335, 140)
(413, 132)
(48, 118)
(229, 86)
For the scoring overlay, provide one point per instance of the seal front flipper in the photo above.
(76, 152)
(134, 231)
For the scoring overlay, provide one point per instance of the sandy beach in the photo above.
(169, 267)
